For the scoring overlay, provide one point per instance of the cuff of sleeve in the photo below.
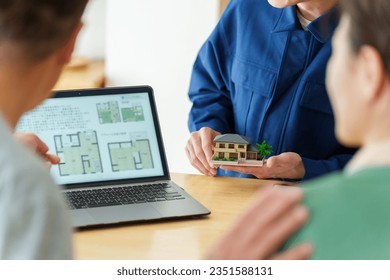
(314, 168)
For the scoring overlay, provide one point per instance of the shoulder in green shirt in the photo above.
(349, 215)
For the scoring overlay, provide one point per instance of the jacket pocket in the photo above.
(252, 77)
(252, 90)
(315, 97)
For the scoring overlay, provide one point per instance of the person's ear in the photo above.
(65, 53)
(372, 73)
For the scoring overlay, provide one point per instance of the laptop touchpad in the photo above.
(81, 217)
(124, 213)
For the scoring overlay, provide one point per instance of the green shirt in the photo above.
(349, 215)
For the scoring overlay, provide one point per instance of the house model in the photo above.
(234, 149)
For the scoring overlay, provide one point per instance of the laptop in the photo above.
(113, 167)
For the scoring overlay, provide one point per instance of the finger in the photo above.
(286, 165)
(283, 228)
(202, 150)
(53, 159)
(300, 252)
(196, 144)
(40, 146)
(207, 138)
(272, 162)
(195, 161)
(271, 167)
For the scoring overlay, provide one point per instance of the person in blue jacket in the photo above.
(261, 74)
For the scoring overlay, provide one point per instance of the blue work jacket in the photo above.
(261, 75)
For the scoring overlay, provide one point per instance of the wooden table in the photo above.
(173, 239)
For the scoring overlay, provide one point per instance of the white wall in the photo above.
(155, 42)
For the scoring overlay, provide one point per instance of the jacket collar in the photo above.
(321, 28)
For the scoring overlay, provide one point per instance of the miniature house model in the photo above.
(234, 148)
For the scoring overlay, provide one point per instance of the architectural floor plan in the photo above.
(133, 114)
(130, 155)
(108, 112)
(79, 153)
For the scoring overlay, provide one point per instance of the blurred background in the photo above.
(152, 42)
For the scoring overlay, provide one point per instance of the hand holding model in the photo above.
(200, 148)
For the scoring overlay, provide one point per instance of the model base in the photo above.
(238, 163)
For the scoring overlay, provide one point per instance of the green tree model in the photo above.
(264, 150)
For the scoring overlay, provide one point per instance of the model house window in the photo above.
(222, 145)
(231, 146)
(241, 146)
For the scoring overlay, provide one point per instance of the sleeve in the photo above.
(209, 86)
(316, 168)
(33, 218)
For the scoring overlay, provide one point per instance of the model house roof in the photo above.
(232, 138)
(252, 148)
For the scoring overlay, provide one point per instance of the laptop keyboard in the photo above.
(121, 196)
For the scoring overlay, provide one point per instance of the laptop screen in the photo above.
(100, 135)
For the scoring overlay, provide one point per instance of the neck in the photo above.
(375, 154)
(311, 10)
(375, 133)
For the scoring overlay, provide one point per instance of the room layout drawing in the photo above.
(133, 114)
(130, 155)
(79, 153)
(108, 112)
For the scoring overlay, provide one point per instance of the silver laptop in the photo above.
(113, 167)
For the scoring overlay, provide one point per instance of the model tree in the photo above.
(264, 150)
